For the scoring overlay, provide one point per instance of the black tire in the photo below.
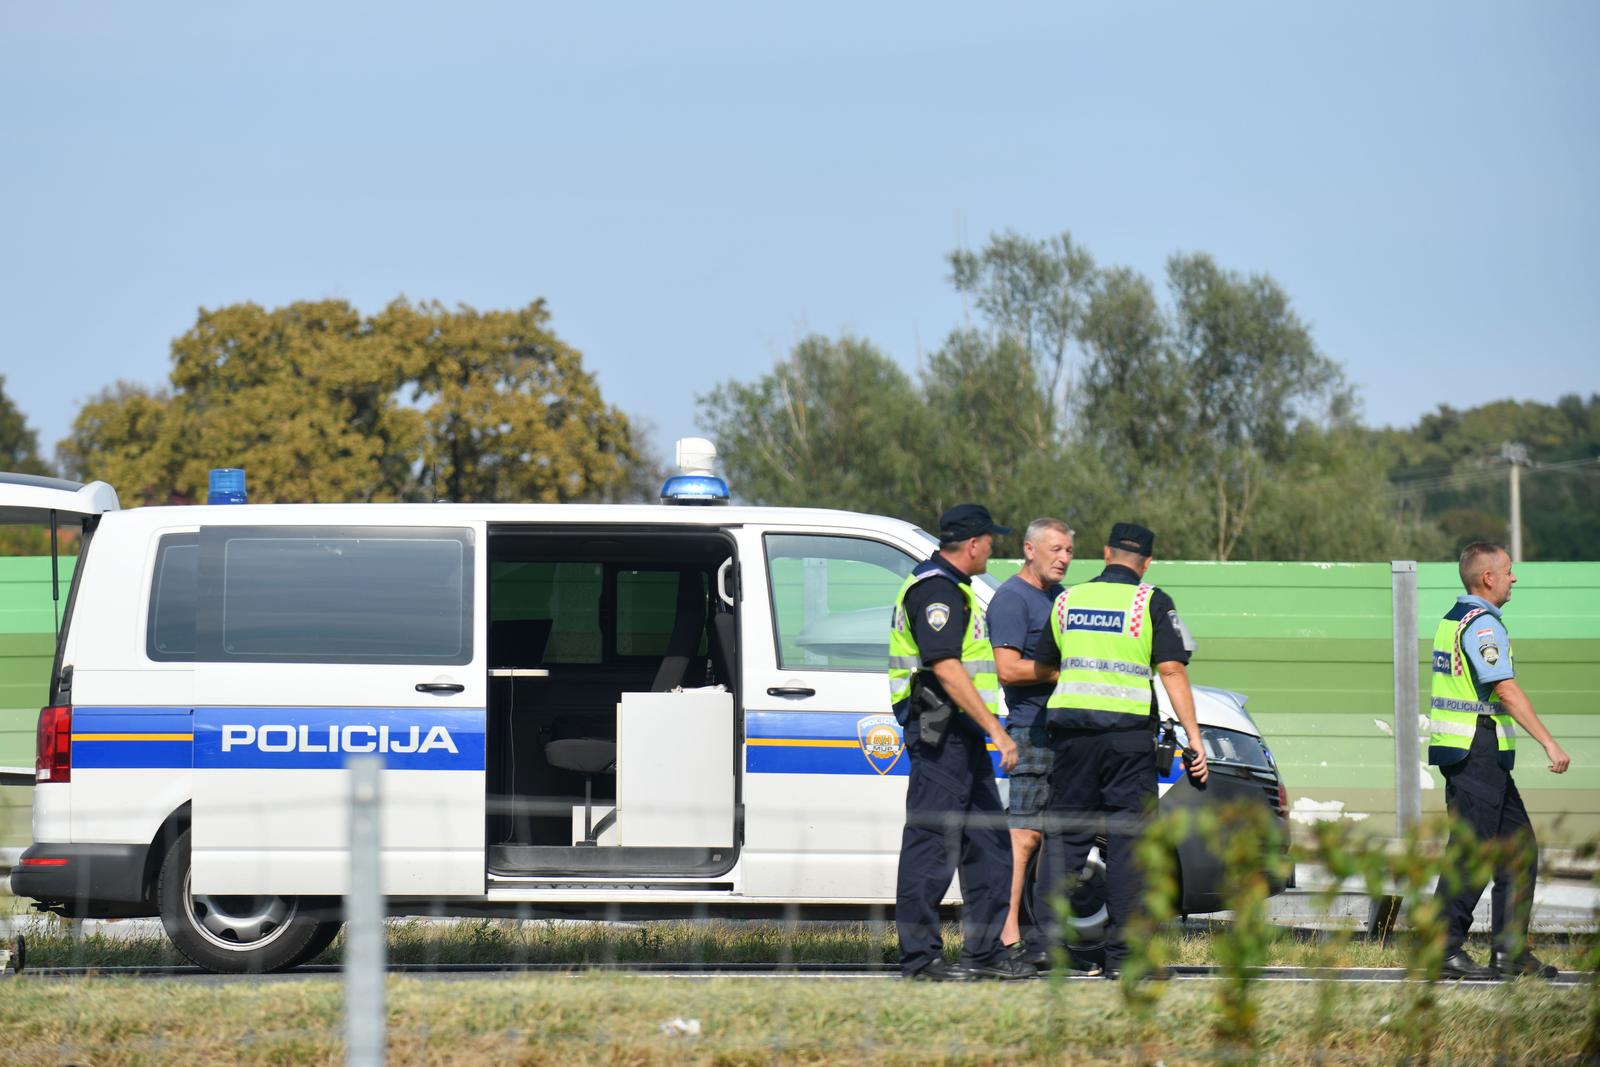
(326, 932)
(1087, 903)
(234, 934)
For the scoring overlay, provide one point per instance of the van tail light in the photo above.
(53, 763)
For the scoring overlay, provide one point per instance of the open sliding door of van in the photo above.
(317, 643)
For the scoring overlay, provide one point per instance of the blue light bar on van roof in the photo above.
(694, 489)
(227, 486)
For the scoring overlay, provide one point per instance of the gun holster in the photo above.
(930, 713)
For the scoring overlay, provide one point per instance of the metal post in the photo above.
(364, 963)
(1516, 456)
(1384, 909)
(1516, 513)
(1407, 754)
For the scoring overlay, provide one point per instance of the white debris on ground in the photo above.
(1383, 727)
(1308, 811)
(681, 1027)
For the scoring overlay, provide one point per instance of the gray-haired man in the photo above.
(1018, 613)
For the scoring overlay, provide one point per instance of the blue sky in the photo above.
(694, 187)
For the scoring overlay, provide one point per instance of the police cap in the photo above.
(1131, 537)
(968, 520)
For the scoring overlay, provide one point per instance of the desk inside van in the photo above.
(675, 769)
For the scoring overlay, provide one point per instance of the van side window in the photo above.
(647, 608)
(831, 599)
(169, 632)
(596, 612)
(335, 595)
(566, 594)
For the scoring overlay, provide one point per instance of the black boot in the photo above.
(1460, 965)
(1505, 966)
(942, 971)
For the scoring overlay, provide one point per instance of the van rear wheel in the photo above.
(235, 934)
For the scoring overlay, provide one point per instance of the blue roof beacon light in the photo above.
(696, 485)
(227, 486)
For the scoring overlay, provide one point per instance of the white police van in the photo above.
(606, 710)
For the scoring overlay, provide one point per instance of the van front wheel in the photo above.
(233, 934)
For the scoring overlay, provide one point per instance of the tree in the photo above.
(1134, 402)
(1213, 417)
(317, 402)
(1448, 469)
(508, 412)
(19, 454)
(1035, 292)
(835, 425)
(838, 424)
(130, 436)
(1206, 408)
(19, 443)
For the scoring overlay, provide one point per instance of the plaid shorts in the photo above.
(1030, 779)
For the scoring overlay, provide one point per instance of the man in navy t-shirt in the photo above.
(1019, 613)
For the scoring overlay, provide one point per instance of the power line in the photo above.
(1459, 480)
(1467, 478)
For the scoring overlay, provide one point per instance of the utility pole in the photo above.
(1516, 457)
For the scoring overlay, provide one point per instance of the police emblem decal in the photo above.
(938, 615)
(1490, 653)
(879, 736)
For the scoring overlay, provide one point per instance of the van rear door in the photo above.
(28, 498)
(25, 645)
(315, 643)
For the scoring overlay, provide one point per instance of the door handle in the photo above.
(440, 687)
(791, 691)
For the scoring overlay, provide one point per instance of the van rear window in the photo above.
(170, 634)
(314, 595)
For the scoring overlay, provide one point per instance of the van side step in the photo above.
(544, 861)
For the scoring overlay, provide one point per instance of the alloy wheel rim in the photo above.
(238, 923)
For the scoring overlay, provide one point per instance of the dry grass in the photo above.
(494, 941)
(595, 1019)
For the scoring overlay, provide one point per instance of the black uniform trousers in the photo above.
(1098, 778)
(954, 819)
(1480, 793)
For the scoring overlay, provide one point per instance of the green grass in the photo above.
(610, 1019)
(503, 941)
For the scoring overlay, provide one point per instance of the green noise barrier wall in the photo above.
(1308, 643)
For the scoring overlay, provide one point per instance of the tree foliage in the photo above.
(1211, 415)
(837, 425)
(19, 442)
(318, 402)
(19, 454)
(1448, 469)
(1035, 293)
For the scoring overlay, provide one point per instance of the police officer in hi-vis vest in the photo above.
(1473, 742)
(1111, 635)
(945, 693)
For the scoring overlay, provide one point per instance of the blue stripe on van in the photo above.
(409, 739)
(438, 739)
(117, 738)
(813, 742)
